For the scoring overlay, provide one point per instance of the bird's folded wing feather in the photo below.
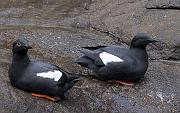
(94, 48)
(94, 56)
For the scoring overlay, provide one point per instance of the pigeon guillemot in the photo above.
(116, 63)
(41, 79)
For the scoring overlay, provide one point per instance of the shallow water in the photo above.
(42, 13)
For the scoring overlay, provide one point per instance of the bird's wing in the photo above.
(85, 61)
(94, 48)
(116, 50)
(93, 56)
(101, 55)
(46, 72)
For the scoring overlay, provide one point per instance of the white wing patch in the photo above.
(56, 75)
(106, 58)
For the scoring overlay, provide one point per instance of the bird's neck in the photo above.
(20, 59)
(19, 62)
(140, 53)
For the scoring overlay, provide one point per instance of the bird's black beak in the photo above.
(152, 41)
(28, 46)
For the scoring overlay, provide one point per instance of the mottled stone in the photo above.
(57, 30)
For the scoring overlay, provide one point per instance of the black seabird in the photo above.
(124, 65)
(39, 78)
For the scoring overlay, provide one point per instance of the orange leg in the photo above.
(44, 96)
(125, 82)
(122, 82)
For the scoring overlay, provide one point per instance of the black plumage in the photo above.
(23, 74)
(126, 63)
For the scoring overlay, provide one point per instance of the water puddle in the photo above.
(39, 13)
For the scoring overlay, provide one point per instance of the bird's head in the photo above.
(21, 46)
(140, 40)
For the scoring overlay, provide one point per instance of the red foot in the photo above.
(123, 82)
(126, 82)
(44, 96)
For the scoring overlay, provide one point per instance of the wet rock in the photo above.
(57, 30)
(175, 54)
(163, 4)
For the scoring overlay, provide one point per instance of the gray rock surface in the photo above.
(163, 4)
(57, 30)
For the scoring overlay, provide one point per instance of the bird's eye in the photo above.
(18, 44)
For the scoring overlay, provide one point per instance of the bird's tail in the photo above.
(70, 82)
(85, 61)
